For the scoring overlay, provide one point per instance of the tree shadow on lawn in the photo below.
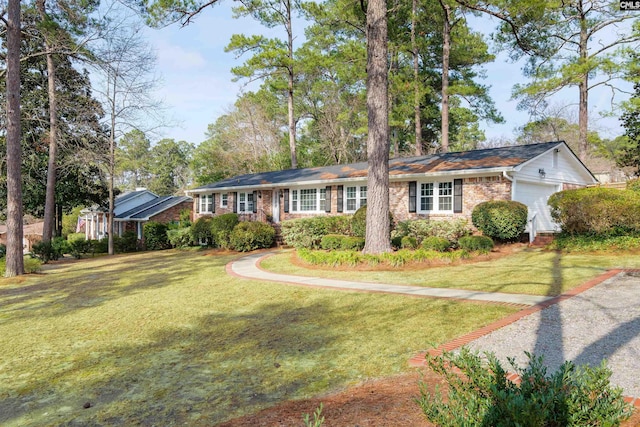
(223, 366)
(78, 287)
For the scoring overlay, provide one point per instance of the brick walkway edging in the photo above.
(419, 360)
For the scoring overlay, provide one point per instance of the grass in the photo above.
(167, 338)
(529, 271)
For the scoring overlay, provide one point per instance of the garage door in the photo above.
(535, 196)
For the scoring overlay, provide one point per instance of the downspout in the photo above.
(511, 180)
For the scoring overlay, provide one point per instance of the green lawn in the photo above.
(529, 271)
(168, 338)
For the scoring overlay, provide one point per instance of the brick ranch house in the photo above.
(437, 186)
(132, 210)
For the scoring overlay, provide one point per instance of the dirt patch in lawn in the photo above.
(388, 402)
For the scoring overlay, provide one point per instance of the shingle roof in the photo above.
(152, 207)
(503, 157)
(130, 195)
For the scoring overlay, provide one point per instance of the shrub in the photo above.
(128, 242)
(500, 219)
(479, 394)
(79, 247)
(221, 228)
(408, 242)
(180, 237)
(3, 250)
(482, 244)
(31, 265)
(634, 184)
(71, 237)
(46, 251)
(185, 218)
(434, 243)
(155, 236)
(102, 246)
(359, 222)
(331, 241)
(251, 235)
(451, 230)
(308, 232)
(396, 241)
(352, 243)
(201, 231)
(596, 210)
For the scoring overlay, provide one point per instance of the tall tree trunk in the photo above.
(446, 53)
(14, 257)
(292, 122)
(377, 239)
(583, 87)
(416, 79)
(112, 169)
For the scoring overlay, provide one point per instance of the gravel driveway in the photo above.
(600, 323)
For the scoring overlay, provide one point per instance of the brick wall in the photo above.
(474, 190)
(172, 214)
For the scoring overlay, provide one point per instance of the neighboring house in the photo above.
(438, 186)
(131, 211)
(32, 233)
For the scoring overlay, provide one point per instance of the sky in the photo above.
(197, 84)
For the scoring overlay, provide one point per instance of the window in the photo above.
(224, 200)
(356, 197)
(245, 202)
(308, 199)
(206, 203)
(445, 193)
(436, 197)
(426, 196)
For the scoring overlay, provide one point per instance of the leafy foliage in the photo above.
(481, 244)
(221, 228)
(354, 257)
(500, 219)
(50, 251)
(408, 242)
(421, 229)
(180, 237)
(331, 241)
(31, 265)
(436, 243)
(155, 236)
(479, 394)
(352, 243)
(252, 235)
(597, 210)
(308, 232)
(359, 222)
(201, 230)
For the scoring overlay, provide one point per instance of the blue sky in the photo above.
(197, 84)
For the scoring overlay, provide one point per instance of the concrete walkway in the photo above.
(247, 267)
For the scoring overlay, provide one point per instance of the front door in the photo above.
(275, 206)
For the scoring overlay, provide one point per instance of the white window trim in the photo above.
(436, 197)
(358, 197)
(204, 203)
(246, 202)
(294, 202)
(224, 200)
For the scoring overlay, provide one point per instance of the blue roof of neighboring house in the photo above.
(502, 157)
(152, 208)
(131, 195)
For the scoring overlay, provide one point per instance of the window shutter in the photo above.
(255, 202)
(235, 202)
(412, 195)
(213, 201)
(327, 199)
(197, 199)
(286, 200)
(340, 199)
(457, 195)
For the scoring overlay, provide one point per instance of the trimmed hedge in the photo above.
(201, 230)
(597, 210)
(352, 243)
(500, 219)
(252, 235)
(331, 241)
(409, 242)
(180, 237)
(359, 222)
(482, 244)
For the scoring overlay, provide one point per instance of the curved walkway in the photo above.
(597, 320)
(247, 267)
